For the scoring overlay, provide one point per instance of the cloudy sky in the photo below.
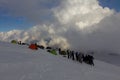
(23, 14)
(76, 24)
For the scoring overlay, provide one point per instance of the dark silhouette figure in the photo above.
(88, 59)
(48, 48)
(68, 54)
(80, 55)
(40, 46)
(76, 55)
(72, 55)
(59, 50)
(19, 43)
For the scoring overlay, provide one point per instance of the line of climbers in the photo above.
(78, 56)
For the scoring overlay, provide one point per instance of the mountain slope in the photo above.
(20, 63)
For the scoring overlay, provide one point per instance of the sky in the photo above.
(9, 21)
(113, 4)
(24, 14)
(77, 24)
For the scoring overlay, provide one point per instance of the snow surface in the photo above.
(18, 62)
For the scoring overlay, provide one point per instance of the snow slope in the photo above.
(20, 63)
(112, 58)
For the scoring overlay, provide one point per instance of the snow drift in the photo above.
(21, 63)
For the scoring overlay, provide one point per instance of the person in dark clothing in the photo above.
(40, 46)
(59, 50)
(88, 59)
(48, 47)
(80, 57)
(72, 55)
(19, 42)
(76, 55)
(91, 60)
(68, 54)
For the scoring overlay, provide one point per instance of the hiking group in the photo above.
(76, 56)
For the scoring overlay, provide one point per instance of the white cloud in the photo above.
(81, 13)
(79, 24)
(46, 35)
(7, 36)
